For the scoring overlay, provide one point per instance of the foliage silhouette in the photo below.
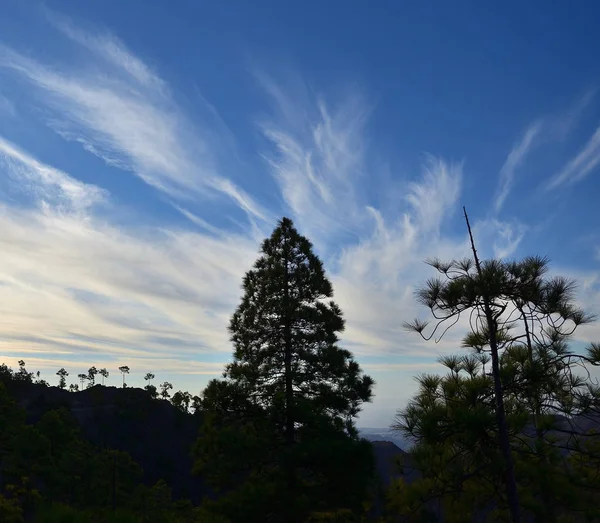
(279, 427)
(62, 374)
(546, 390)
(124, 369)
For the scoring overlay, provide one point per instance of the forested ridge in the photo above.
(509, 433)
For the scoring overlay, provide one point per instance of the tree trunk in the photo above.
(289, 390)
(503, 438)
(548, 515)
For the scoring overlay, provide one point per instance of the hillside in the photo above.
(385, 434)
(156, 434)
(159, 436)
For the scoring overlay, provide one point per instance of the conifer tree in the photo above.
(519, 316)
(124, 369)
(62, 375)
(164, 390)
(289, 380)
(82, 377)
(92, 372)
(104, 373)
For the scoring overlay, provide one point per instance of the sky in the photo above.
(147, 148)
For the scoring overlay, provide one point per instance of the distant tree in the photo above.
(73, 387)
(124, 370)
(39, 380)
(104, 373)
(182, 400)
(177, 400)
(284, 412)
(196, 404)
(82, 379)
(164, 390)
(6, 373)
(187, 400)
(92, 371)
(22, 374)
(152, 390)
(45, 461)
(62, 374)
(149, 387)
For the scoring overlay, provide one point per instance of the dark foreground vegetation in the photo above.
(509, 433)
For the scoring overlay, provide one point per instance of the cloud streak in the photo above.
(93, 290)
(320, 163)
(7, 108)
(125, 116)
(580, 166)
(552, 128)
(317, 158)
(514, 160)
(110, 48)
(47, 185)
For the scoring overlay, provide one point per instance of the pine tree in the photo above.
(82, 377)
(452, 421)
(23, 374)
(285, 337)
(62, 375)
(92, 372)
(523, 320)
(151, 389)
(104, 373)
(124, 369)
(164, 390)
(289, 378)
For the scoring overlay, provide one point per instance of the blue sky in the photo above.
(146, 148)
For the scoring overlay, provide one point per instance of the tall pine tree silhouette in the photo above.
(287, 366)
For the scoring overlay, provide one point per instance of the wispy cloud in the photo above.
(93, 290)
(550, 128)
(6, 106)
(434, 197)
(48, 186)
(580, 166)
(317, 158)
(126, 116)
(134, 296)
(376, 255)
(108, 47)
(515, 158)
(562, 124)
(503, 236)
